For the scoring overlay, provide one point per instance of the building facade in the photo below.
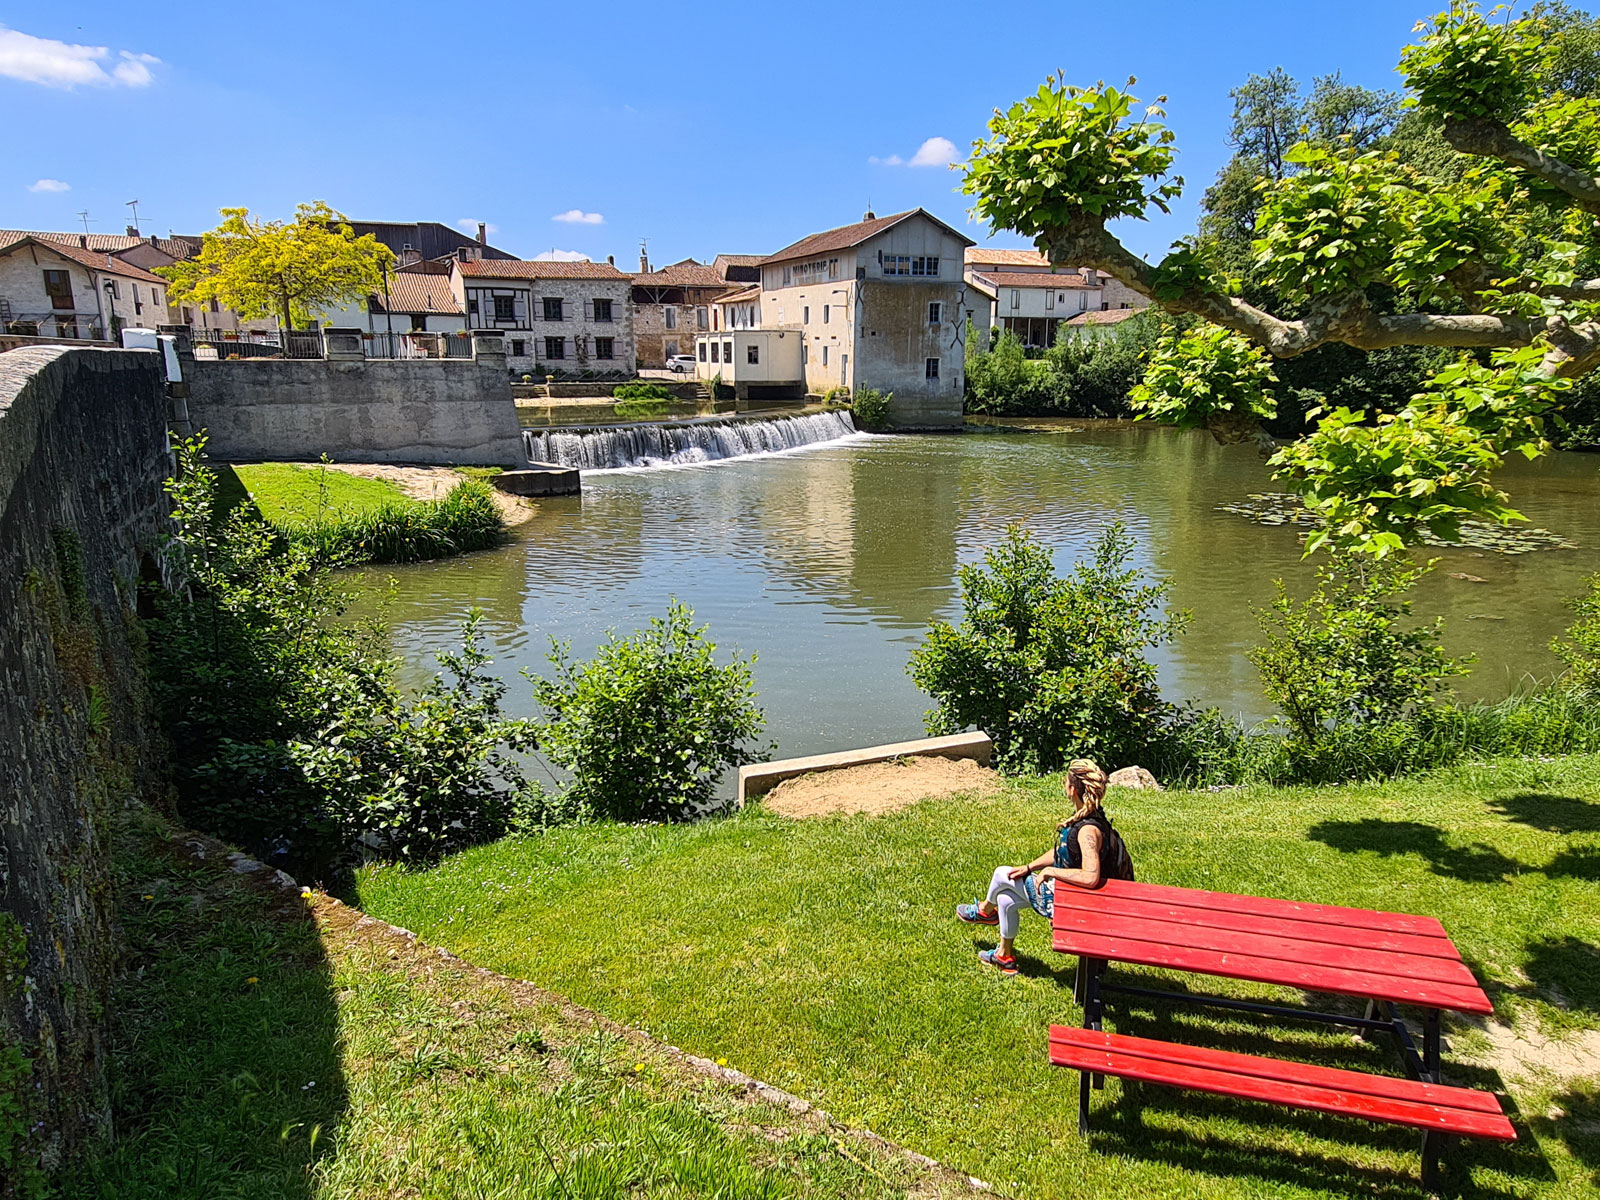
(1034, 300)
(57, 289)
(671, 306)
(557, 317)
(879, 304)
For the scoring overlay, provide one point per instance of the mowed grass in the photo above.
(288, 494)
(273, 1046)
(822, 956)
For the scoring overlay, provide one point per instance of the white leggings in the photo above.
(1009, 896)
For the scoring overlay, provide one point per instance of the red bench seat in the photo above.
(1431, 1107)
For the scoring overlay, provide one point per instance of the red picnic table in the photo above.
(1387, 959)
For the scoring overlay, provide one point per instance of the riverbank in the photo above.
(834, 968)
(274, 1044)
(378, 512)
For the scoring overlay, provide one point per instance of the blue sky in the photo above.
(586, 127)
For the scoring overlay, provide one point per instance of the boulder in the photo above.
(1134, 777)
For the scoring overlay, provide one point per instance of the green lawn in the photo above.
(822, 957)
(288, 494)
(271, 1047)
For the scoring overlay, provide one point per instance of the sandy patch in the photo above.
(878, 787)
(1521, 1051)
(433, 483)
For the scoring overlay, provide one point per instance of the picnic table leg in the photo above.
(1089, 972)
(1431, 1141)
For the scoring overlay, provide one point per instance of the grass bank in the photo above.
(358, 519)
(269, 1045)
(822, 956)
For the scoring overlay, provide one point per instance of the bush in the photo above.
(1581, 648)
(650, 724)
(1051, 667)
(1004, 382)
(467, 518)
(1347, 668)
(288, 732)
(641, 401)
(869, 409)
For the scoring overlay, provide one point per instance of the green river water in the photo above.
(830, 562)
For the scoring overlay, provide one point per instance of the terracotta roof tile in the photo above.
(521, 269)
(1108, 316)
(992, 256)
(115, 242)
(846, 236)
(687, 273)
(749, 293)
(413, 292)
(99, 260)
(1033, 279)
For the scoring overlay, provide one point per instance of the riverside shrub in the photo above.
(290, 735)
(649, 725)
(869, 409)
(1051, 666)
(1580, 650)
(466, 518)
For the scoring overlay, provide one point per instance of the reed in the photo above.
(407, 530)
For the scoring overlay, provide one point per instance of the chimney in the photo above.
(83, 241)
(483, 234)
(132, 230)
(611, 260)
(869, 215)
(644, 263)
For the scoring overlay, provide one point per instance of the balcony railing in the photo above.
(74, 326)
(417, 344)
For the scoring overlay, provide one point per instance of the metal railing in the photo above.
(417, 344)
(303, 343)
(213, 344)
(74, 326)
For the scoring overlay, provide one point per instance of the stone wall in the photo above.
(83, 452)
(894, 342)
(378, 410)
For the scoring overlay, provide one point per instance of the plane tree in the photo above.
(1499, 262)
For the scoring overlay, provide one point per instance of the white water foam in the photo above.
(682, 444)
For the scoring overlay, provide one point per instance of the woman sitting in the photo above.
(1088, 851)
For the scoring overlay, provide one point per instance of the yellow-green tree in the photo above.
(285, 269)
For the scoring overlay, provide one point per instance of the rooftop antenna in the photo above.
(134, 204)
(84, 217)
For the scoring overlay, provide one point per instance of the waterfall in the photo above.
(682, 442)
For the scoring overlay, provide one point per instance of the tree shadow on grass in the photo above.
(226, 1071)
(1477, 863)
(1574, 1120)
(1577, 862)
(1565, 971)
(1553, 814)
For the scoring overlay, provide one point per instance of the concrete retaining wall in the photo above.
(83, 452)
(758, 779)
(414, 410)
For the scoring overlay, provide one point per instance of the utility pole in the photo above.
(134, 204)
(84, 217)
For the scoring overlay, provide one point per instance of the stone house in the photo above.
(557, 317)
(671, 306)
(62, 289)
(1034, 299)
(881, 304)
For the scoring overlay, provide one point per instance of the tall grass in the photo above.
(407, 530)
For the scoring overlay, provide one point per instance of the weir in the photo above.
(671, 443)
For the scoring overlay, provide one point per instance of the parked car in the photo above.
(681, 364)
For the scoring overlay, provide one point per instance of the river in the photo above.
(830, 562)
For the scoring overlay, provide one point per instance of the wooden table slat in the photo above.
(1431, 946)
(1285, 949)
(1348, 918)
(1425, 993)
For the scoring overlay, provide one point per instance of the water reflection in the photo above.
(830, 563)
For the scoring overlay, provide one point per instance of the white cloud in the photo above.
(134, 69)
(50, 185)
(576, 216)
(471, 226)
(561, 256)
(66, 65)
(935, 152)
